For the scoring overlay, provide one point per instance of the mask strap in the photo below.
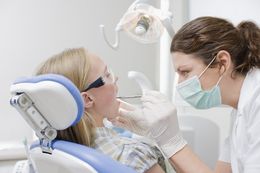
(207, 66)
(219, 79)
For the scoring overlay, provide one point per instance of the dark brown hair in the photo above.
(206, 36)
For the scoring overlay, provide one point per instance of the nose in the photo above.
(180, 79)
(116, 79)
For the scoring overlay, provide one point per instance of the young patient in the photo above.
(98, 89)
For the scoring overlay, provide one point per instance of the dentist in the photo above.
(217, 64)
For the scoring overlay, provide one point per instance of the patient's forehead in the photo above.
(97, 67)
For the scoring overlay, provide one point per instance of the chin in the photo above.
(112, 115)
(114, 110)
(115, 113)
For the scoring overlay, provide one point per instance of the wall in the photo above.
(233, 10)
(33, 30)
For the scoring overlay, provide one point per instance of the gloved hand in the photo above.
(156, 119)
(126, 122)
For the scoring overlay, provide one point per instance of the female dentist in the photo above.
(217, 64)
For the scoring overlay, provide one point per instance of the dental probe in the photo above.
(129, 97)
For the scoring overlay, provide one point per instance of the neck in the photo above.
(231, 88)
(97, 118)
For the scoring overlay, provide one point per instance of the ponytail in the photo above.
(206, 36)
(249, 56)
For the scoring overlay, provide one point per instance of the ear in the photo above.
(224, 59)
(88, 101)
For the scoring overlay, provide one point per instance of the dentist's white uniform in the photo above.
(242, 148)
(157, 118)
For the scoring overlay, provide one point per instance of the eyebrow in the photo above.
(183, 66)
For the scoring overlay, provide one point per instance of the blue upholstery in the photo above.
(63, 81)
(99, 161)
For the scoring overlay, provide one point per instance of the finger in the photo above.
(155, 94)
(148, 106)
(126, 105)
(152, 99)
(149, 99)
(121, 119)
(123, 123)
(119, 124)
(127, 113)
(112, 120)
(158, 98)
(151, 96)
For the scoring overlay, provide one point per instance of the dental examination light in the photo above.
(142, 22)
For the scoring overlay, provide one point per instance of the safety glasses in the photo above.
(107, 78)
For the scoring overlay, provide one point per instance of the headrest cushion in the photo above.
(55, 96)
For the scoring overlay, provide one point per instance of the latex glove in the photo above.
(126, 122)
(156, 119)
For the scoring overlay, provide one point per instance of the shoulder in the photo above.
(250, 91)
(140, 149)
(129, 151)
(252, 81)
(141, 156)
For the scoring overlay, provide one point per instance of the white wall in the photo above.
(33, 30)
(233, 10)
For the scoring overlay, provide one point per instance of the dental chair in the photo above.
(49, 103)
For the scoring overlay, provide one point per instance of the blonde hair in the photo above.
(75, 65)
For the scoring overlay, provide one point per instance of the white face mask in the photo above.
(191, 91)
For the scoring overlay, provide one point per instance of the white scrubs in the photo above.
(242, 148)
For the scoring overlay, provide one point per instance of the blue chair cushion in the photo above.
(100, 162)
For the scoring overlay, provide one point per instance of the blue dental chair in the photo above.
(49, 103)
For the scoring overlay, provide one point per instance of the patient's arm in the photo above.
(155, 169)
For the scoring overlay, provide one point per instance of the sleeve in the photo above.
(252, 155)
(225, 151)
(141, 157)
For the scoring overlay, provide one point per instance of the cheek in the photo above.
(208, 80)
(183, 78)
(106, 102)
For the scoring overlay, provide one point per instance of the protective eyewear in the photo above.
(107, 78)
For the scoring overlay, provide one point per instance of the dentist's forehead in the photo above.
(182, 60)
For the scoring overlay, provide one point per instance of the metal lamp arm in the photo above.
(116, 44)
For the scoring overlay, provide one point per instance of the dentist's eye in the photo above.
(184, 73)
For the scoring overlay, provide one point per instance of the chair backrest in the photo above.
(49, 103)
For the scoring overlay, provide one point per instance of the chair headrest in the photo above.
(54, 96)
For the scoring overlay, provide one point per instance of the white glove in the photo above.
(156, 119)
(128, 122)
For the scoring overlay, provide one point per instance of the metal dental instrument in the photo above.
(129, 97)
